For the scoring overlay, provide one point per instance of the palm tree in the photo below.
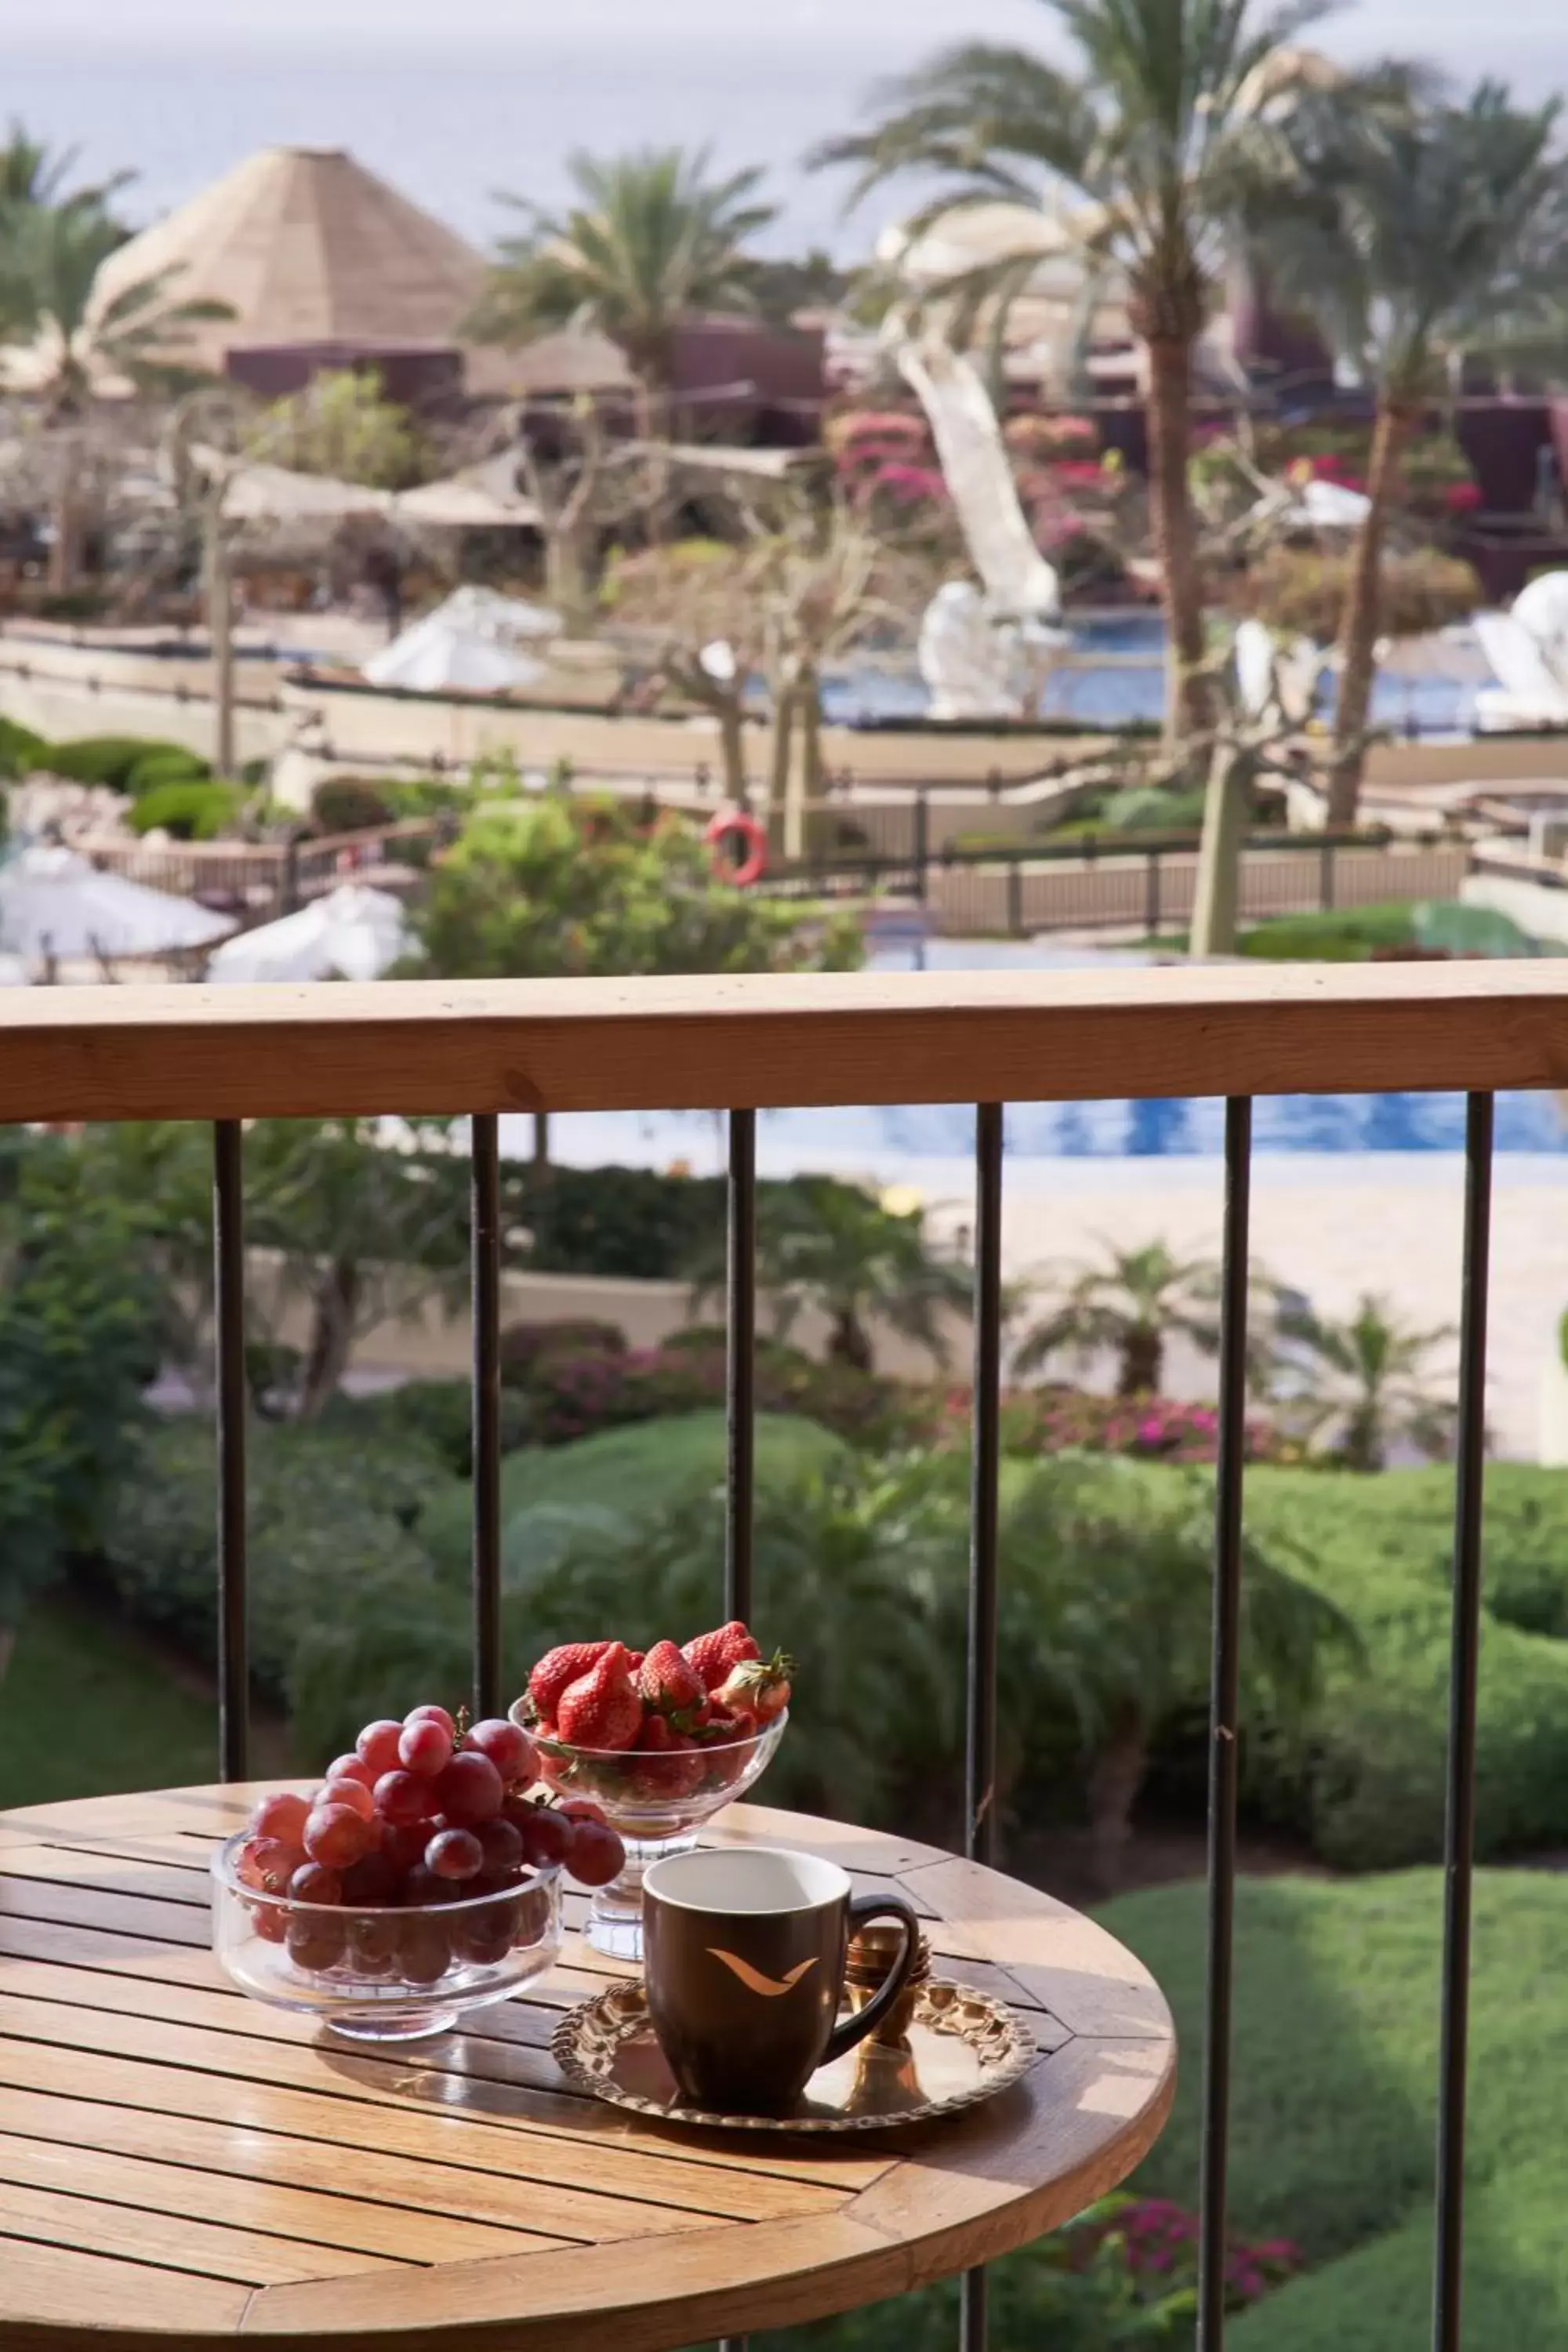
(1414, 237)
(33, 173)
(1129, 1306)
(51, 257)
(1168, 115)
(652, 239)
(1108, 1600)
(1365, 1386)
(837, 1249)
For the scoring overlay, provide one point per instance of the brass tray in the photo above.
(956, 2048)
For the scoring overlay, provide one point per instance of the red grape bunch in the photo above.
(424, 1814)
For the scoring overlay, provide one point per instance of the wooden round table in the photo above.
(178, 2163)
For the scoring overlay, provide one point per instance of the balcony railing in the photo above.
(229, 1054)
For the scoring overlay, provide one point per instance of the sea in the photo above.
(458, 102)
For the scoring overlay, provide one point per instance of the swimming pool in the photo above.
(880, 1138)
(1426, 702)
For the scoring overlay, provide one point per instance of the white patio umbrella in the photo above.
(474, 641)
(353, 933)
(54, 903)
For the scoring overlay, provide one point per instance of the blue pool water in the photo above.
(1427, 705)
(880, 1138)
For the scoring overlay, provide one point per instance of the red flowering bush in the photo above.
(1073, 1421)
(1156, 2242)
(575, 1391)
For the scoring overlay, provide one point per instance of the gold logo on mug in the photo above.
(770, 1988)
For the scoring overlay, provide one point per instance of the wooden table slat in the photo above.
(58, 2297)
(260, 2177)
(176, 2242)
(147, 2172)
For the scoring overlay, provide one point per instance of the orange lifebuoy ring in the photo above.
(724, 828)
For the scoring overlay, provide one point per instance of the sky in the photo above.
(1472, 37)
(454, 99)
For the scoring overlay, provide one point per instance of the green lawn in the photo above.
(87, 1710)
(1334, 2100)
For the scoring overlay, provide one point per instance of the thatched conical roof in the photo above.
(304, 246)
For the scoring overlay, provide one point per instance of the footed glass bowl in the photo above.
(385, 1974)
(657, 1802)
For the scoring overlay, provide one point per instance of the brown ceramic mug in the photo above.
(744, 1950)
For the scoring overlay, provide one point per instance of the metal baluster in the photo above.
(485, 1261)
(1223, 1707)
(228, 1303)
(740, 1394)
(1459, 1839)
(979, 1739)
(980, 1746)
(741, 1368)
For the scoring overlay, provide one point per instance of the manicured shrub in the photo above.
(167, 765)
(189, 809)
(21, 751)
(1335, 2067)
(348, 804)
(1367, 1780)
(108, 759)
(434, 1415)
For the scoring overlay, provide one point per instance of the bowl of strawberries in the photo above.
(659, 1740)
(420, 1879)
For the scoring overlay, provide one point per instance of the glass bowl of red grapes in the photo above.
(421, 1878)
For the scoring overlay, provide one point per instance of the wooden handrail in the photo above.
(171, 1052)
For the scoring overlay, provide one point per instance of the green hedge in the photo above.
(110, 759)
(1334, 2077)
(187, 807)
(1367, 1783)
(21, 751)
(333, 1542)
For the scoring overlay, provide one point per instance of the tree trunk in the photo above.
(1359, 627)
(1189, 695)
(63, 551)
(653, 428)
(1214, 901)
(779, 774)
(332, 1337)
(1116, 1775)
(220, 631)
(1143, 1361)
(849, 1343)
(565, 575)
(812, 781)
(732, 747)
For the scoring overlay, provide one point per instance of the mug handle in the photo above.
(851, 2030)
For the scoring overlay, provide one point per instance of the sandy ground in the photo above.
(1332, 1226)
(1333, 1229)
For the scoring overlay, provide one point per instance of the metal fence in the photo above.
(1115, 886)
(127, 1054)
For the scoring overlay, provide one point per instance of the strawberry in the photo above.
(602, 1709)
(716, 1726)
(675, 1764)
(713, 1654)
(669, 1682)
(557, 1668)
(757, 1690)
